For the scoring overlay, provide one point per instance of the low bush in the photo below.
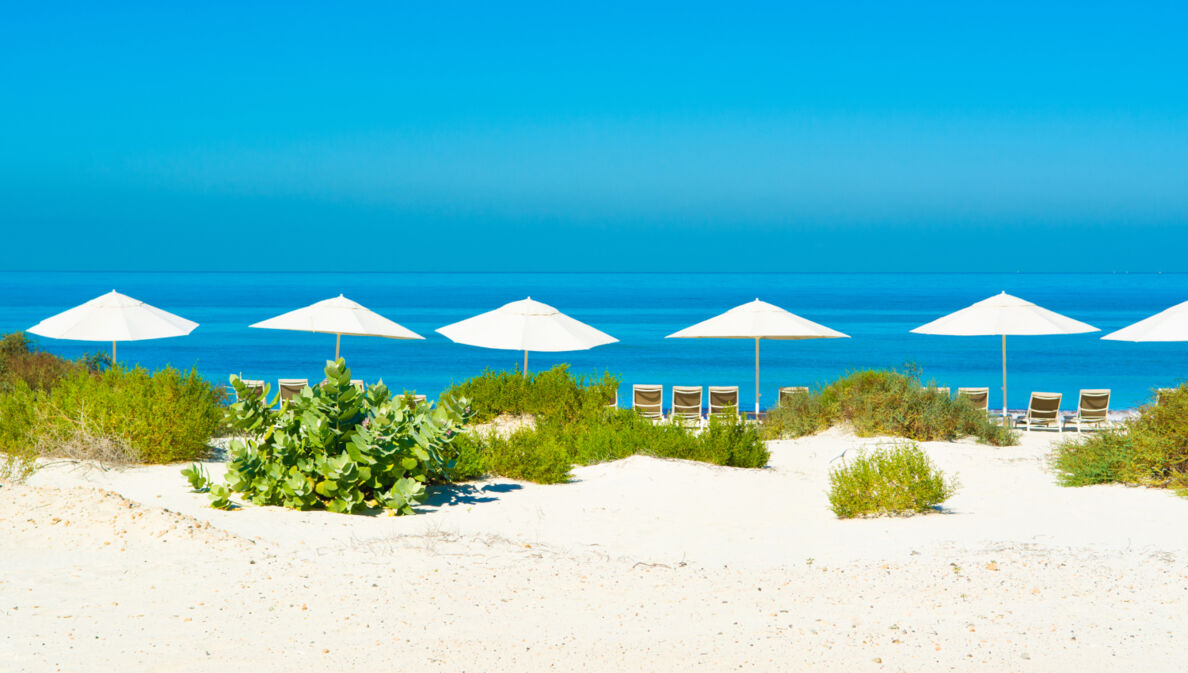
(21, 361)
(877, 403)
(546, 452)
(337, 448)
(897, 479)
(1150, 450)
(132, 414)
(553, 392)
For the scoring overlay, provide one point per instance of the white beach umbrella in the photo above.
(113, 317)
(338, 316)
(526, 325)
(1168, 325)
(1004, 315)
(757, 320)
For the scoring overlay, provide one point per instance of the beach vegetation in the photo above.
(16, 469)
(897, 479)
(551, 392)
(335, 447)
(577, 427)
(1148, 450)
(884, 403)
(120, 415)
(22, 361)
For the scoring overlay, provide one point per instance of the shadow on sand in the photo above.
(466, 494)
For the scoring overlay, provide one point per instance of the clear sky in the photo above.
(594, 136)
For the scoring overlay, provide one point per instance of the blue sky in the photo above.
(595, 136)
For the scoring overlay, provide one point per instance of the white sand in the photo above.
(640, 565)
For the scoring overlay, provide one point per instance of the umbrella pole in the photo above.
(337, 345)
(1004, 385)
(525, 374)
(113, 353)
(756, 378)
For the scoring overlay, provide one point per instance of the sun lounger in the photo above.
(1161, 393)
(614, 403)
(979, 397)
(722, 398)
(358, 383)
(1093, 409)
(686, 403)
(1042, 412)
(939, 390)
(254, 386)
(648, 401)
(290, 388)
(787, 392)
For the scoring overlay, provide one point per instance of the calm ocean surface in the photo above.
(877, 310)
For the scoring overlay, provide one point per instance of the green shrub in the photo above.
(1150, 450)
(528, 454)
(157, 417)
(22, 362)
(337, 448)
(899, 479)
(553, 392)
(878, 403)
(466, 453)
(546, 452)
(18, 413)
(572, 425)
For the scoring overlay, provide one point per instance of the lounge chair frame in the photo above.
(683, 410)
(789, 391)
(722, 398)
(1043, 410)
(979, 397)
(1097, 413)
(641, 396)
(290, 388)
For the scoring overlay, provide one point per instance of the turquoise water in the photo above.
(877, 310)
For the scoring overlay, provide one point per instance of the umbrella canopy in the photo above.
(338, 316)
(1004, 315)
(757, 320)
(113, 317)
(1168, 325)
(526, 325)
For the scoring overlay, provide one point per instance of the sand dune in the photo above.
(641, 564)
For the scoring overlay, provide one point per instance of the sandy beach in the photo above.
(638, 565)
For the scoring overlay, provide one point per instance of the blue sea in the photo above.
(876, 309)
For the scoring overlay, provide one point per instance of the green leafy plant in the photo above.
(197, 476)
(877, 403)
(337, 448)
(1150, 450)
(895, 479)
(220, 497)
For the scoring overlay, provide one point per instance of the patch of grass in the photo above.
(1150, 450)
(119, 415)
(528, 454)
(16, 469)
(553, 392)
(877, 403)
(891, 480)
(546, 452)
